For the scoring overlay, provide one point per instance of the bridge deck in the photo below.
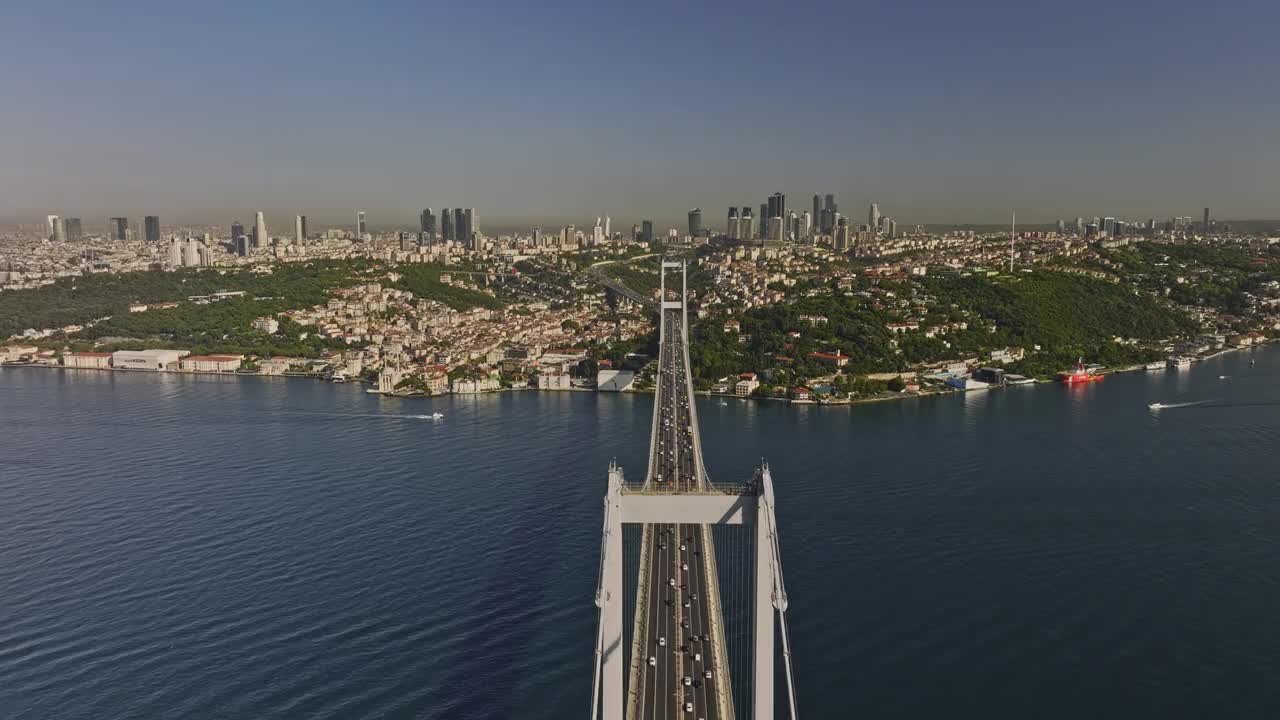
(680, 626)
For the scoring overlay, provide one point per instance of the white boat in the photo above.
(724, 403)
(1155, 406)
(437, 416)
(1155, 365)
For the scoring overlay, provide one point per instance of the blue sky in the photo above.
(553, 112)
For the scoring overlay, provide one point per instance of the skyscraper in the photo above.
(1205, 226)
(840, 236)
(608, 225)
(472, 219)
(817, 208)
(361, 226)
(52, 220)
(120, 228)
(460, 233)
(873, 218)
(731, 225)
(695, 222)
(446, 225)
(427, 222)
(763, 219)
(151, 228)
(260, 238)
(72, 227)
(774, 205)
(237, 230)
(646, 229)
(746, 225)
(57, 229)
(300, 229)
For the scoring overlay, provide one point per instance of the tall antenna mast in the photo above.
(1013, 231)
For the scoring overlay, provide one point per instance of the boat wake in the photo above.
(1168, 406)
(381, 416)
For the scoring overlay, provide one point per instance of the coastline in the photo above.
(887, 397)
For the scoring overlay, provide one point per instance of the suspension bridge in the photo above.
(690, 596)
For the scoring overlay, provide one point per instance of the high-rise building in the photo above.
(1205, 226)
(362, 226)
(893, 228)
(446, 225)
(151, 228)
(1109, 226)
(873, 218)
(777, 206)
(1080, 226)
(472, 217)
(817, 208)
(646, 230)
(746, 225)
(427, 223)
(840, 236)
(300, 229)
(806, 225)
(237, 230)
(52, 220)
(260, 238)
(608, 225)
(58, 229)
(72, 227)
(731, 224)
(120, 228)
(241, 243)
(695, 222)
(460, 227)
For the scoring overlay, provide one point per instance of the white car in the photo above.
(708, 674)
(688, 707)
(662, 642)
(653, 661)
(688, 680)
(672, 581)
(682, 547)
(684, 566)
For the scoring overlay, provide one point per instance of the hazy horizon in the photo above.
(940, 112)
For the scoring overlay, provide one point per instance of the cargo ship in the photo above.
(1080, 374)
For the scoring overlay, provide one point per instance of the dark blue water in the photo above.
(213, 547)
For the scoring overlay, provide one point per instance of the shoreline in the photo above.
(1032, 382)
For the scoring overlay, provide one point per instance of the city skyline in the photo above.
(946, 114)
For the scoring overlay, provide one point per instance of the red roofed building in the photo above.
(835, 359)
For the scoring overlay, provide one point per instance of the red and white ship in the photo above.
(1080, 374)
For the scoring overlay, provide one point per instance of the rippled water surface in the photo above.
(264, 548)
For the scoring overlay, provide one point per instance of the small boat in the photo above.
(437, 416)
(1155, 406)
(723, 403)
(1222, 377)
(1158, 365)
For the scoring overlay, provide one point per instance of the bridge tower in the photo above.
(685, 498)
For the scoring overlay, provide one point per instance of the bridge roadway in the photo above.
(678, 632)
